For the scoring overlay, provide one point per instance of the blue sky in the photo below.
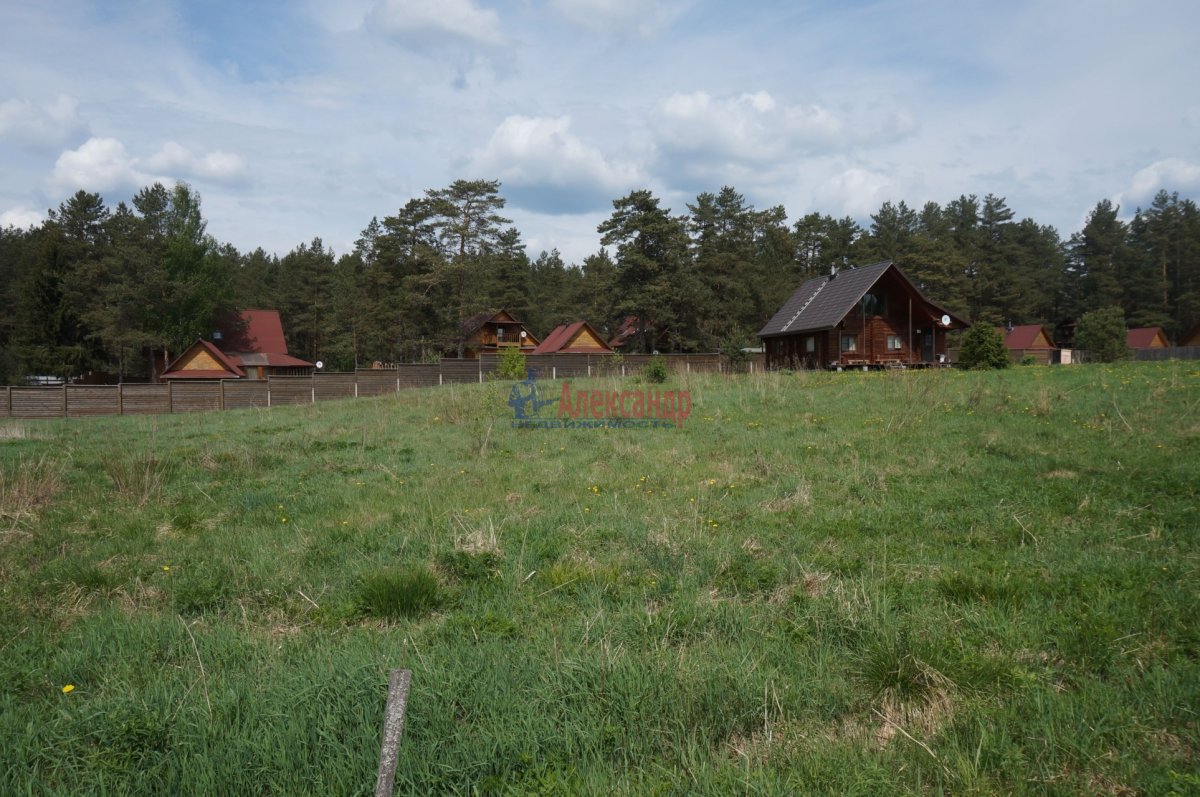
(302, 119)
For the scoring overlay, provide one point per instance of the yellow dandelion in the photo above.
(166, 568)
(68, 689)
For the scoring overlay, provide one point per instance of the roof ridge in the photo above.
(804, 307)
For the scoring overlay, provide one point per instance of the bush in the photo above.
(983, 348)
(1101, 333)
(655, 371)
(393, 594)
(512, 364)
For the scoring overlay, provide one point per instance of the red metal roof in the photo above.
(1025, 337)
(254, 331)
(1143, 337)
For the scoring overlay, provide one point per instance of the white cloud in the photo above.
(417, 21)
(614, 16)
(179, 161)
(103, 164)
(856, 192)
(1172, 174)
(21, 218)
(100, 164)
(41, 126)
(544, 166)
(747, 128)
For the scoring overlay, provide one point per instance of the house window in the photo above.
(849, 342)
(810, 344)
(499, 333)
(874, 304)
(893, 343)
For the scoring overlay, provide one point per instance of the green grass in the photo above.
(906, 583)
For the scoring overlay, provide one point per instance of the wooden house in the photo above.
(248, 345)
(1146, 338)
(870, 316)
(490, 332)
(577, 338)
(634, 335)
(1029, 340)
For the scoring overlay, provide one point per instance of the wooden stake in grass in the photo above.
(393, 727)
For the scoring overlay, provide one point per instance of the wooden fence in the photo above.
(85, 401)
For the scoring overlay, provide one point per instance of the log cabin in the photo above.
(871, 316)
(489, 332)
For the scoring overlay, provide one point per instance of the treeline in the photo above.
(100, 289)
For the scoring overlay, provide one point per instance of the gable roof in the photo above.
(559, 341)
(1026, 337)
(1192, 336)
(822, 302)
(232, 371)
(472, 324)
(1144, 337)
(253, 331)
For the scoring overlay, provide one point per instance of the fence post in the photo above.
(120, 398)
(622, 369)
(64, 401)
(268, 392)
(170, 397)
(221, 385)
(554, 372)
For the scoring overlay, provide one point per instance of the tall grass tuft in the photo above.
(140, 478)
(393, 594)
(28, 487)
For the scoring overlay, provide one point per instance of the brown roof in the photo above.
(1025, 337)
(629, 327)
(1143, 337)
(558, 341)
(822, 302)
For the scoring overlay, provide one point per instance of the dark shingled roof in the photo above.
(822, 302)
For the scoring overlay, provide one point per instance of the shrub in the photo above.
(512, 364)
(393, 594)
(1029, 359)
(1101, 333)
(655, 371)
(983, 348)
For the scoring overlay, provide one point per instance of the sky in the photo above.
(303, 119)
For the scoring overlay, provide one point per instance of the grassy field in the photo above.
(912, 583)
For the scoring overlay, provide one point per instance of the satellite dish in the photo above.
(524, 333)
(320, 365)
(945, 320)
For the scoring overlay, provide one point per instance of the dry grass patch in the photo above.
(29, 487)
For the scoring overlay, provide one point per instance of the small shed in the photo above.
(1146, 338)
(576, 338)
(490, 332)
(1029, 340)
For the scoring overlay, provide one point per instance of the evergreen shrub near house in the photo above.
(1101, 333)
(983, 348)
(655, 371)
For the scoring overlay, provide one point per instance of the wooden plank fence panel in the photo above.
(460, 372)
(195, 396)
(37, 402)
(245, 393)
(145, 399)
(291, 390)
(333, 386)
(85, 401)
(4, 403)
(376, 381)
(419, 375)
(1168, 353)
